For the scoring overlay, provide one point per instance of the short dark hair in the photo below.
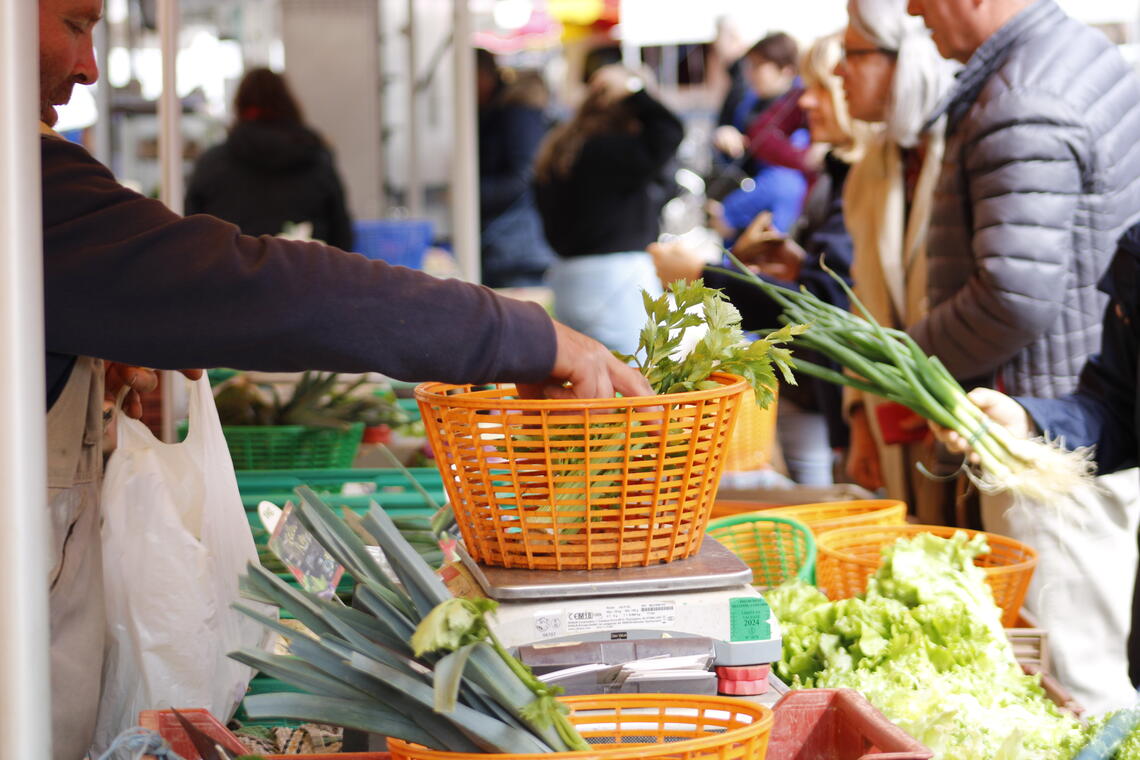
(485, 62)
(264, 95)
(777, 48)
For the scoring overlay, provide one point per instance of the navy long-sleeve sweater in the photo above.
(128, 280)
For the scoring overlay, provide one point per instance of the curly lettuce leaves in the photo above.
(925, 645)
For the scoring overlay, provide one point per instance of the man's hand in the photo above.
(863, 455)
(138, 379)
(584, 368)
(729, 141)
(675, 262)
(998, 407)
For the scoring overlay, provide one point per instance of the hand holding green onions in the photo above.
(888, 363)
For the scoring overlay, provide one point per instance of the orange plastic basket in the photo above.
(647, 727)
(848, 557)
(844, 514)
(580, 484)
(750, 447)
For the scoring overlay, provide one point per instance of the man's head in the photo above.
(959, 27)
(771, 65)
(67, 54)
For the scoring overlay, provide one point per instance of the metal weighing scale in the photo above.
(708, 595)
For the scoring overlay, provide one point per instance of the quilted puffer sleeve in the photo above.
(1025, 168)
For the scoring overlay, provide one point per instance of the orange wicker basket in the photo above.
(647, 727)
(750, 447)
(844, 514)
(848, 557)
(580, 484)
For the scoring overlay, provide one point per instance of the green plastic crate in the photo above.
(276, 447)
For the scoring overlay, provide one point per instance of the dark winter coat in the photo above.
(266, 175)
(611, 201)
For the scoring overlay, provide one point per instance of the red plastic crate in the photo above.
(167, 726)
(837, 724)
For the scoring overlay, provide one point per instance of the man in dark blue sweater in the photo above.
(127, 280)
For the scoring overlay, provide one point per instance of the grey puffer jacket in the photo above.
(1041, 175)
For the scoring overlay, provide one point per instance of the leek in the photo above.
(383, 665)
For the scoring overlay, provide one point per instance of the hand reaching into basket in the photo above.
(584, 368)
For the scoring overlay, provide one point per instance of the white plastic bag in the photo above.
(175, 542)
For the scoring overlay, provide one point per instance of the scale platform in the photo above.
(712, 567)
(708, 595)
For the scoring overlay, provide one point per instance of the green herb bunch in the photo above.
(723, 348)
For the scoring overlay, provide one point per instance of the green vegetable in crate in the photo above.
(925, 646)
(888, 363)
(359, 666)
(314, 402)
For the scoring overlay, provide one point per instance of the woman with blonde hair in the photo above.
(893, 76)
(600, 186)
(809, 419)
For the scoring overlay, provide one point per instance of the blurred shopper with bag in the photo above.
(512, 124)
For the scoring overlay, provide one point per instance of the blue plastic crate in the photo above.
(402, 242)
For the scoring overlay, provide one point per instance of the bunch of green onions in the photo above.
(888, 363)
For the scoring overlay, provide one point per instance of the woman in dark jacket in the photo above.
(599, 186)
(272, 170)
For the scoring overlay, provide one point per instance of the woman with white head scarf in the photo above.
(893, 75)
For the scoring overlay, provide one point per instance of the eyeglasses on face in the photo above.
(847, 54)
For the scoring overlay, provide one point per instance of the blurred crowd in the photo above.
(967, 168)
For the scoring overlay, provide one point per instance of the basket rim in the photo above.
(811, 550)
(430, 393)
(758, 516)
(942, 531)
(763, 719)
(854, 506)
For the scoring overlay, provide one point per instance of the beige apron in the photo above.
(75, 466)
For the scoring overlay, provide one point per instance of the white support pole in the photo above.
(25, 667)
(415, 186)
(465, 161)
(102, 127)
(169, 158)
